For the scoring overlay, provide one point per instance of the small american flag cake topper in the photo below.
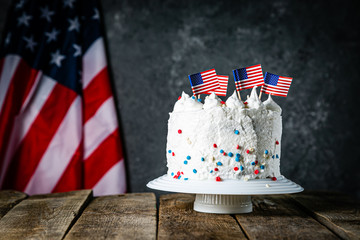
(248, 77)
(223, 84)
(276, 85)
(204, 82)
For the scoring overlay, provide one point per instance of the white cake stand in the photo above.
(227, 196)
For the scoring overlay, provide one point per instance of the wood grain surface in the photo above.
(130, 216)
(8, 199)
(44, 216)
(178, 220)
(338, 212)
(77, 215)
(278, 217)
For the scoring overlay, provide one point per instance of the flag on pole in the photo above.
(276, 85)
(223, 84)
(204, 82)
(248, 77)
(58, 123)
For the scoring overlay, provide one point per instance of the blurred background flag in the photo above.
(223, 84)
(204, 82)
(276, 85)
(58, 123)
(248, 77)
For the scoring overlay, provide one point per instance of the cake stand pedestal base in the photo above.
(229, 196)
(222, 204)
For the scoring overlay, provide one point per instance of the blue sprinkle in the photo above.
(252, 163)
(202, 159)
(221, 151)
(172, 174)
(188, 157)
(186, 178)
(199, 100)
(194, 171)
(238, 155)
(230, 154)
(273, 156)
(236, 132)
(185, 162)
(219, 163)
(193, 97)
(241, 168)
(169, 151)
(277, 156)
(211, 171)
(237, 159)
(266, 152)
(262, 166)
(179, 177)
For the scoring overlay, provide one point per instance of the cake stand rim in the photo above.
(226, 187)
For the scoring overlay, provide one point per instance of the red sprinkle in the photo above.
(182, 173)
(245, 103)
(178, 173)
(224, 153)
(277, 142)
(218, 179)
(216, 169)
(236, 168)
(256, 162)
(248, 151)
(173, 153)
(179, 97)
(222, 102)
(274, 178)
(215, 146)
(237, 147)
(179, 131)
(256, 171)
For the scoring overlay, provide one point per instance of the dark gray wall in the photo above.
(154, 45)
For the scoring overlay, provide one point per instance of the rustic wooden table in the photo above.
(78, 215)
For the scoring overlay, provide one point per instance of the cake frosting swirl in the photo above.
(224, 140)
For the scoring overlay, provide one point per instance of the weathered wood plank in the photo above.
(178, 220)
(278, 217)
(43, 216)
(338, 212)
(129, 216)
(8, 199)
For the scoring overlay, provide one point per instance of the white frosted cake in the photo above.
(224, 140)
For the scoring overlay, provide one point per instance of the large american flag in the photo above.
(58, 123)
(204, 82)
(223, 84)
(276, 85)
(248, 77)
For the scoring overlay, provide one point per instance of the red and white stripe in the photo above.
(281, 89)
(255, 78)
(210, 82)
(50, 145)
(223, 84)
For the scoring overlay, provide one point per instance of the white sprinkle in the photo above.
(267, 185)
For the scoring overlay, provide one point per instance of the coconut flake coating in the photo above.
(231, 141)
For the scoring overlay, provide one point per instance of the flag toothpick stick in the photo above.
(238, 93)
(260, 92)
